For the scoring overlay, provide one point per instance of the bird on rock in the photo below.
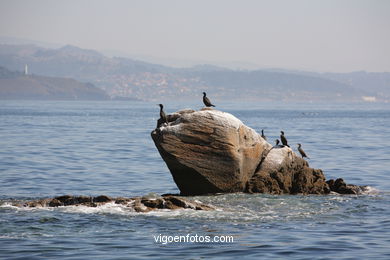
(163, 117)
(283, 139)
(206, 101)
(277, 144)
(302, 152)
(262, 134)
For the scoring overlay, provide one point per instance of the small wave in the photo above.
(111, 208)
(237, 208)
(8, 205)
(107, 208)
(25, 235)
(363, 190)
(368, 190)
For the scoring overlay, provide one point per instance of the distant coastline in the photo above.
(16, 85)
(121, 78)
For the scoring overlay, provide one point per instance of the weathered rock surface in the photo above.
(209, 151)
(283, 172)
(138, 204)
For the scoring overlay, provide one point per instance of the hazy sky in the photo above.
(326, 35)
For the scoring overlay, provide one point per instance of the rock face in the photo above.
(209, 151)
(138, 204)
(283, 172)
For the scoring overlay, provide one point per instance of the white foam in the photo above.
(368, 190)
(8, 205)
(365, 190)
(107, 208)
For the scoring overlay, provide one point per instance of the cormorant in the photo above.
(277, 144)
(262, 134)
(206, 101)
(283, 139)
(302, 152)
(163, 117)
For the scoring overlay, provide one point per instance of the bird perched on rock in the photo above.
(277, 144)
(302, 152)
(206, 101)
(163, 117)
(283, 139)
(262, 134)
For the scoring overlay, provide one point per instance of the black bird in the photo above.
(163, 117)
(277, 144)
(283, 139)
(206, 101)
(302, 152)
(262, 134)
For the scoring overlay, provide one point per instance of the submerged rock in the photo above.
(339, 186)
(138, 204)
(209, 151)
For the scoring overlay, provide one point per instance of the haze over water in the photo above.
(323, 36)
(92, 148)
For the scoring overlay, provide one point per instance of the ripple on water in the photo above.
(238, 207)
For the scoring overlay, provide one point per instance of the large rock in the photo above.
(209, 151)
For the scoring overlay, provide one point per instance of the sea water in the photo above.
(51, 148)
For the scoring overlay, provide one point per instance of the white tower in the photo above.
(26, 70)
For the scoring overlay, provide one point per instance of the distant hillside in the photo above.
(70, 61)
(252, 85)
(378, 83)
(15, 85)
(127, 78)
(375, 83)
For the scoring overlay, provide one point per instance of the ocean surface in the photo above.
(52, 148)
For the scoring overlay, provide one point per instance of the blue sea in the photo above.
(51, 148)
